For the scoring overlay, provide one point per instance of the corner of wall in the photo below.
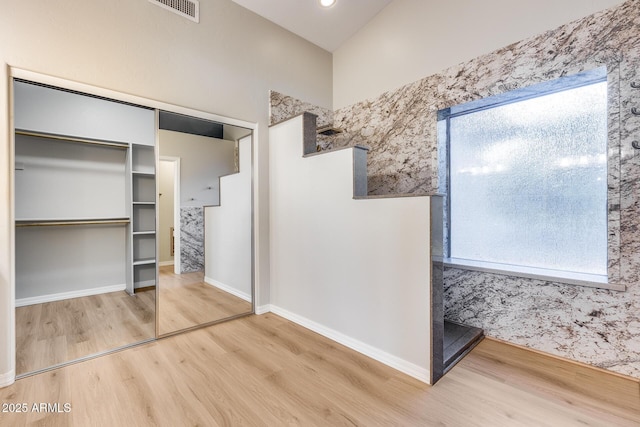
(263, 309)
(7, 378)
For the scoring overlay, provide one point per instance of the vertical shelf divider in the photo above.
(130, 228)
(143, 260)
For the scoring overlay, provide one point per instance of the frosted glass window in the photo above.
(528, 182)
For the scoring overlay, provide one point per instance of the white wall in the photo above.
(45, 110)
(203, 160)
(59, 180)
(357, 271)
(48, 266)
(412, 39)
(166, 182)
(227, 230)
(225, 65)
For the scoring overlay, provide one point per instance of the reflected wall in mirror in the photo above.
(84, 272)
(205, 222)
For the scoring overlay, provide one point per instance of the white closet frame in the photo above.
(20, 73)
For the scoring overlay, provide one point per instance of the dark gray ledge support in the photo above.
(309, 133)
(359, 172)
(437, 292)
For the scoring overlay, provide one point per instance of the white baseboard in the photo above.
(228, 289)
(263, 309)
(7, 378)
(165, 263)
(394, 362)
(20, 302)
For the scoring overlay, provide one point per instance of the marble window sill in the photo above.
(556, 276)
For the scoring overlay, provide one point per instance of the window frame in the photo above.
(598, 75)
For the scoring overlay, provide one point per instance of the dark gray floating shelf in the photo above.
(459, 340)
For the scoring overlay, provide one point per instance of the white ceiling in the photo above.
(325, 27)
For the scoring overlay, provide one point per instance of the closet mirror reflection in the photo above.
(85, 270)
(205, 222)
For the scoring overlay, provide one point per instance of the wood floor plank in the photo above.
(56, 332)
(187, 301)
(266, 371)
(594, 389)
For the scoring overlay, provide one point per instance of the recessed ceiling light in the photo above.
(327, 3)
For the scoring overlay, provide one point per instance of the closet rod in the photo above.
(72, 222)
(73, 139)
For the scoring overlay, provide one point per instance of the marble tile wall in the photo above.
(400, 127)
(283, 107)
(191, 239)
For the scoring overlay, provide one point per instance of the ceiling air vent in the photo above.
(190, 9)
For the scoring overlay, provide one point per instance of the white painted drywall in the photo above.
(227, 231)
(72, 261)
(226, 65)
(166, 182)
(60, 180)
(47, 110)
(202, 161)
(412, 39)
(355, 270)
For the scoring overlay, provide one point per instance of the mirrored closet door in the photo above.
(85, 225)
(205, 222)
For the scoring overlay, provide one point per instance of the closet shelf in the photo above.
(69, 222)
(144, 261)
(118, 145)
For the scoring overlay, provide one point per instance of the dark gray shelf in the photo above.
(459, 340)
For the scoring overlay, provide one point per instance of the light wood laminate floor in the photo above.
(186, 301)
(266, 371)
(51, 333)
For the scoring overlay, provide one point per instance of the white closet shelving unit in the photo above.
(143, 209)
(84, 195)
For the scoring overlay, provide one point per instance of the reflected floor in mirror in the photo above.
(186, 300)
(55, 332)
